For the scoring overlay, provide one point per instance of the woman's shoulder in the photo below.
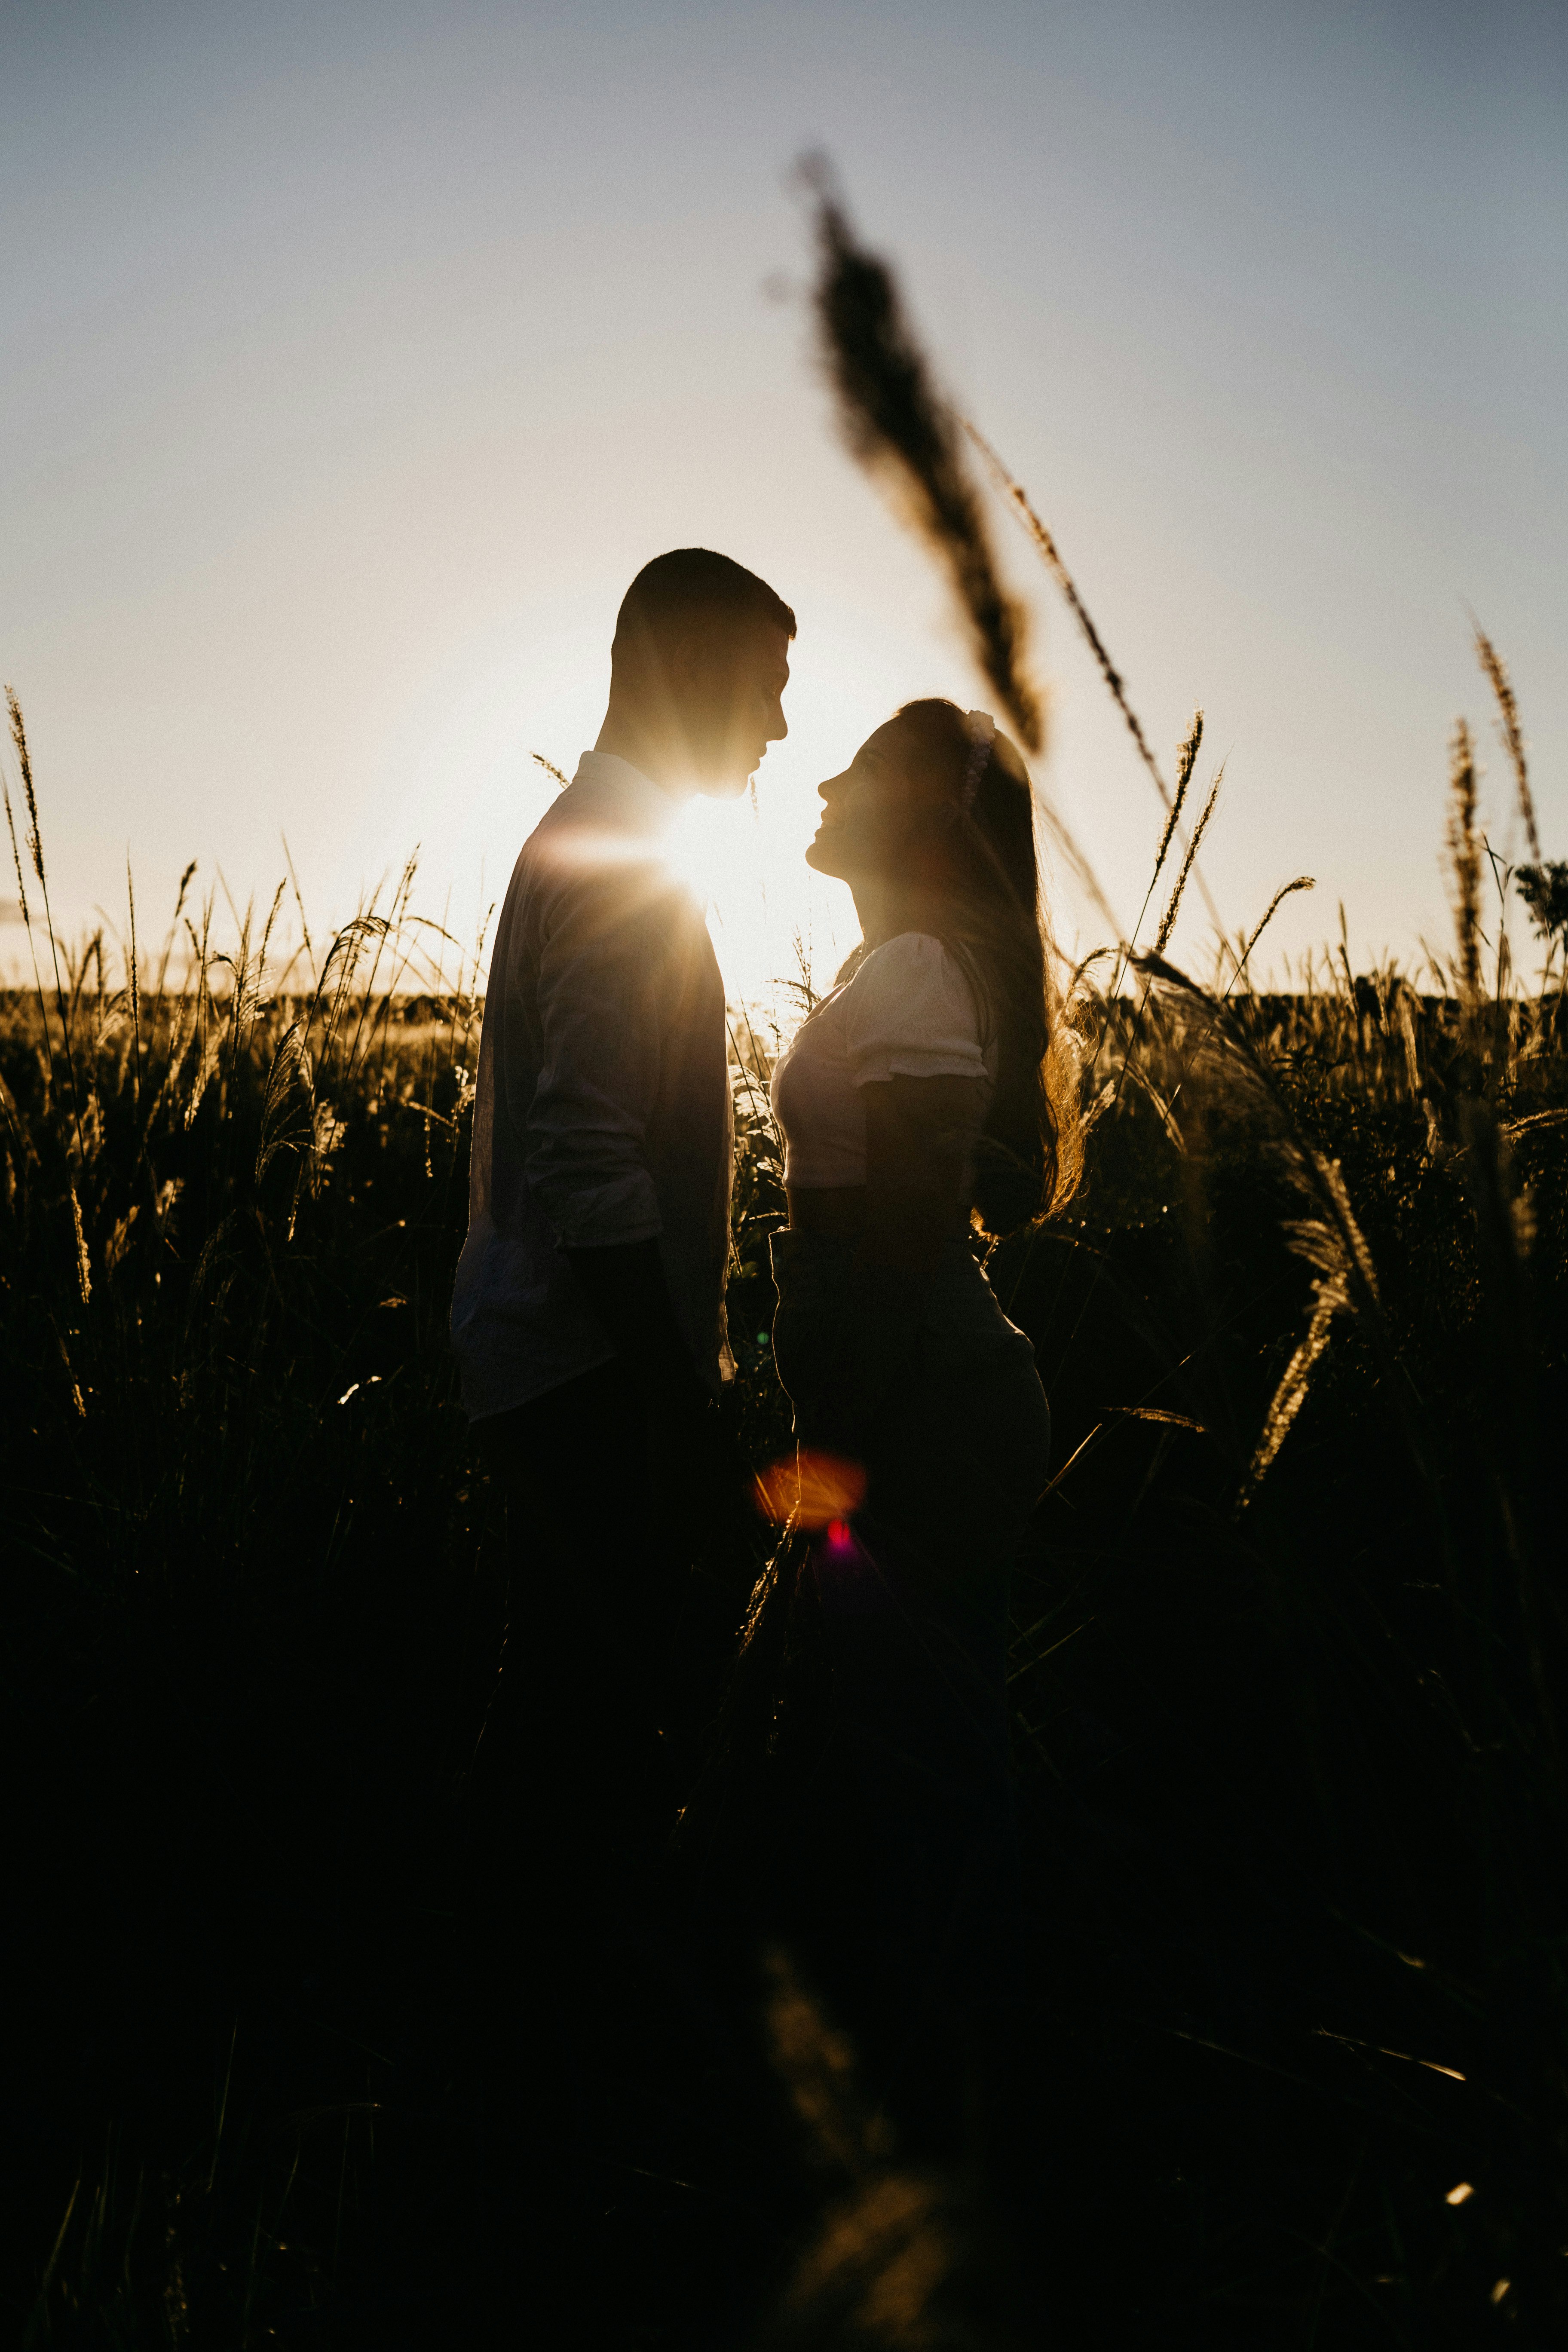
(914, 961)
(912, 986)
(909, 947)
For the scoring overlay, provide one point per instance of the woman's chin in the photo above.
(819, 854)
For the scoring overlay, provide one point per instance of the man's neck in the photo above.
(648, 751)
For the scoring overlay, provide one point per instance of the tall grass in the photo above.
(1297, 1639)
(233, 1184)
(1287, 1674)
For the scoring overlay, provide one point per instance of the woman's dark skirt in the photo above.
(896, 1843)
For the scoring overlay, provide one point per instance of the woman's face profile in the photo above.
(873, 810)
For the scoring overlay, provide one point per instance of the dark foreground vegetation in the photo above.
(292, 2040)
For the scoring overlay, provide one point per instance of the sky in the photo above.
(354, 358)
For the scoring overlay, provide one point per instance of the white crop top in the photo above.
(909, 1012)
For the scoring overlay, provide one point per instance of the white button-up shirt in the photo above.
(602, 1110)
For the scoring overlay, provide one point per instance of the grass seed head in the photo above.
(1168, 922)
(896, 425)
(1496, 671)
(1186, 760)
(1465, 860)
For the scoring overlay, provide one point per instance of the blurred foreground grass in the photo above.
(1289, 1666)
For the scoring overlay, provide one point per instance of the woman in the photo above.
(916, 1104)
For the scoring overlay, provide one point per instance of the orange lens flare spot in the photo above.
(817, 1490)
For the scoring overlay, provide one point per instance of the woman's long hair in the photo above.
(1031, 1148)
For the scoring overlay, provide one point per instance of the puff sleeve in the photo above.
(910, 1012)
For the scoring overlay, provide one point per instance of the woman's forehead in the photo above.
(880, 743)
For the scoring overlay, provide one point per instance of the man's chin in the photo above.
(728, 787)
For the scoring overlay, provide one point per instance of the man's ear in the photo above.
(689, 662)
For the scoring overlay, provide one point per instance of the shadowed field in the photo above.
(293, 2049)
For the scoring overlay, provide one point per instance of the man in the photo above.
(588, 1311)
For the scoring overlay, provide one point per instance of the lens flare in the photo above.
(813, 1489)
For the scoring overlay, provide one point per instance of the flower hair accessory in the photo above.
(982, 736)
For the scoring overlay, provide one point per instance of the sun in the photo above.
(707, 851)
(745, 863)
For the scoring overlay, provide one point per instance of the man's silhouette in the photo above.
(588, 1312)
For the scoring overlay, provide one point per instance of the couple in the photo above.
(588, 1315)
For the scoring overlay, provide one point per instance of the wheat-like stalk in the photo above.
(1465, 860)
(35, 851)
(815, 2062)
(896, 425)
(1186, 760)
(1496, 670)
(299, 901)
(1169, 923)
(133, 982)
(1286, 891)
(83, 1264)
(25, 763)
(1020, 507)
(32, 944)
(1329, 1298)
(1018, 502)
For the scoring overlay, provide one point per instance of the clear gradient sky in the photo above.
(356, 355)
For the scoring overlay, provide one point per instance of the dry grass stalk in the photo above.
(1329, 1238)
(299, 901)
(1018, 500)
(36, 852)
(1019, 506)
(1169, 923)
(17, 861)
(897, 426)
(1291, 1393)
(1083, 872)
(1186, 760)
(900, 2255)
(134, 985)
(1346, 1241)
(1465, 860)
(1286, 891)
(816, 2063)
(28, 927)
(1496, 669)
(83, 1262)
(25, 763)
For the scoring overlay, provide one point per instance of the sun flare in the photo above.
(745, 862)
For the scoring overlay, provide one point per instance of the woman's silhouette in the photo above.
(917, 1106)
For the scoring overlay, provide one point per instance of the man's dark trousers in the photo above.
(610, 1670)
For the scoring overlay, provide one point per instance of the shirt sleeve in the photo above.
(910, 1013)
(603, 977)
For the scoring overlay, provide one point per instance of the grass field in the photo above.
(1288, 1677)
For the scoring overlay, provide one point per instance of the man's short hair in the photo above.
(693, 584)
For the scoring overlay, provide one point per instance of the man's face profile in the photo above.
(733, 690)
